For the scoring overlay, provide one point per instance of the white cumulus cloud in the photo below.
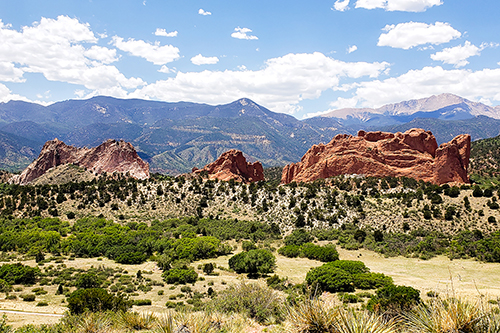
(164, 33)
(203, 12)
(10, 73)
(57, 49)
(280, 85)
(158, 55)
(458, 55)
(474, 85)
(399, 5)
(242, 33)
(164, 69)
(102, 54)
(201, 60)
(351, 49)
(411, 34)
(341, 5)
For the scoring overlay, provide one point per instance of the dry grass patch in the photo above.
(464, 277)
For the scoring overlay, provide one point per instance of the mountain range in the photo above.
(443, 107)
(174, 137)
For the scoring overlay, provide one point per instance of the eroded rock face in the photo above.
(233, 165)
(111, 156)
(414, 154)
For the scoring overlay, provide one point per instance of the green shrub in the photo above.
(248, 245)
(371, 280)
(325, 253)
(208, 268)
(197, 248)
(28, 297)
(298, 237)
(132, 258)
(175, 305)
(18, 274)
(39, 291)
(96, 300)
(253, 262)
(394, 299)
(452, 192)
(88, 280)
(142, 302)
(5, 287)
(330, 278)
(290, 251)
(436, 199)
(186, 289)
(351, 266)
(477, 192)
(364, 294)
(42, 304)
(180, 275)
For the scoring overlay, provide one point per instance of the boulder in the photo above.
(413, 154)
(111, 156)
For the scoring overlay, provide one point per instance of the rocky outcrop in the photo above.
(232, 165)
(111, 156)
(414, 154)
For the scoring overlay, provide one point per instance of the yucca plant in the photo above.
(312, 316)
(196, 322)
(441, 316)
(135, 321)
(165, 323)
(353, 321)
(490, 324)
(235, 323)
(90, 322)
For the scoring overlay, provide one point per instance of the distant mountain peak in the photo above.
(245, 101)
(435, 106)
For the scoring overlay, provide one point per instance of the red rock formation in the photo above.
(412, 154)
(233, 165)
(111, 156)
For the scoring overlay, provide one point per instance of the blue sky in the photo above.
(296, 57)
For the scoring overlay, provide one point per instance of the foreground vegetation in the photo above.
(310, 315)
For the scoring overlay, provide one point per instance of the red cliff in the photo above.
(414, 154)
(111, 156)
(233, 165)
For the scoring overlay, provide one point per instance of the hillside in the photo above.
(485, 159)
(17, 152)
(388, 203)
